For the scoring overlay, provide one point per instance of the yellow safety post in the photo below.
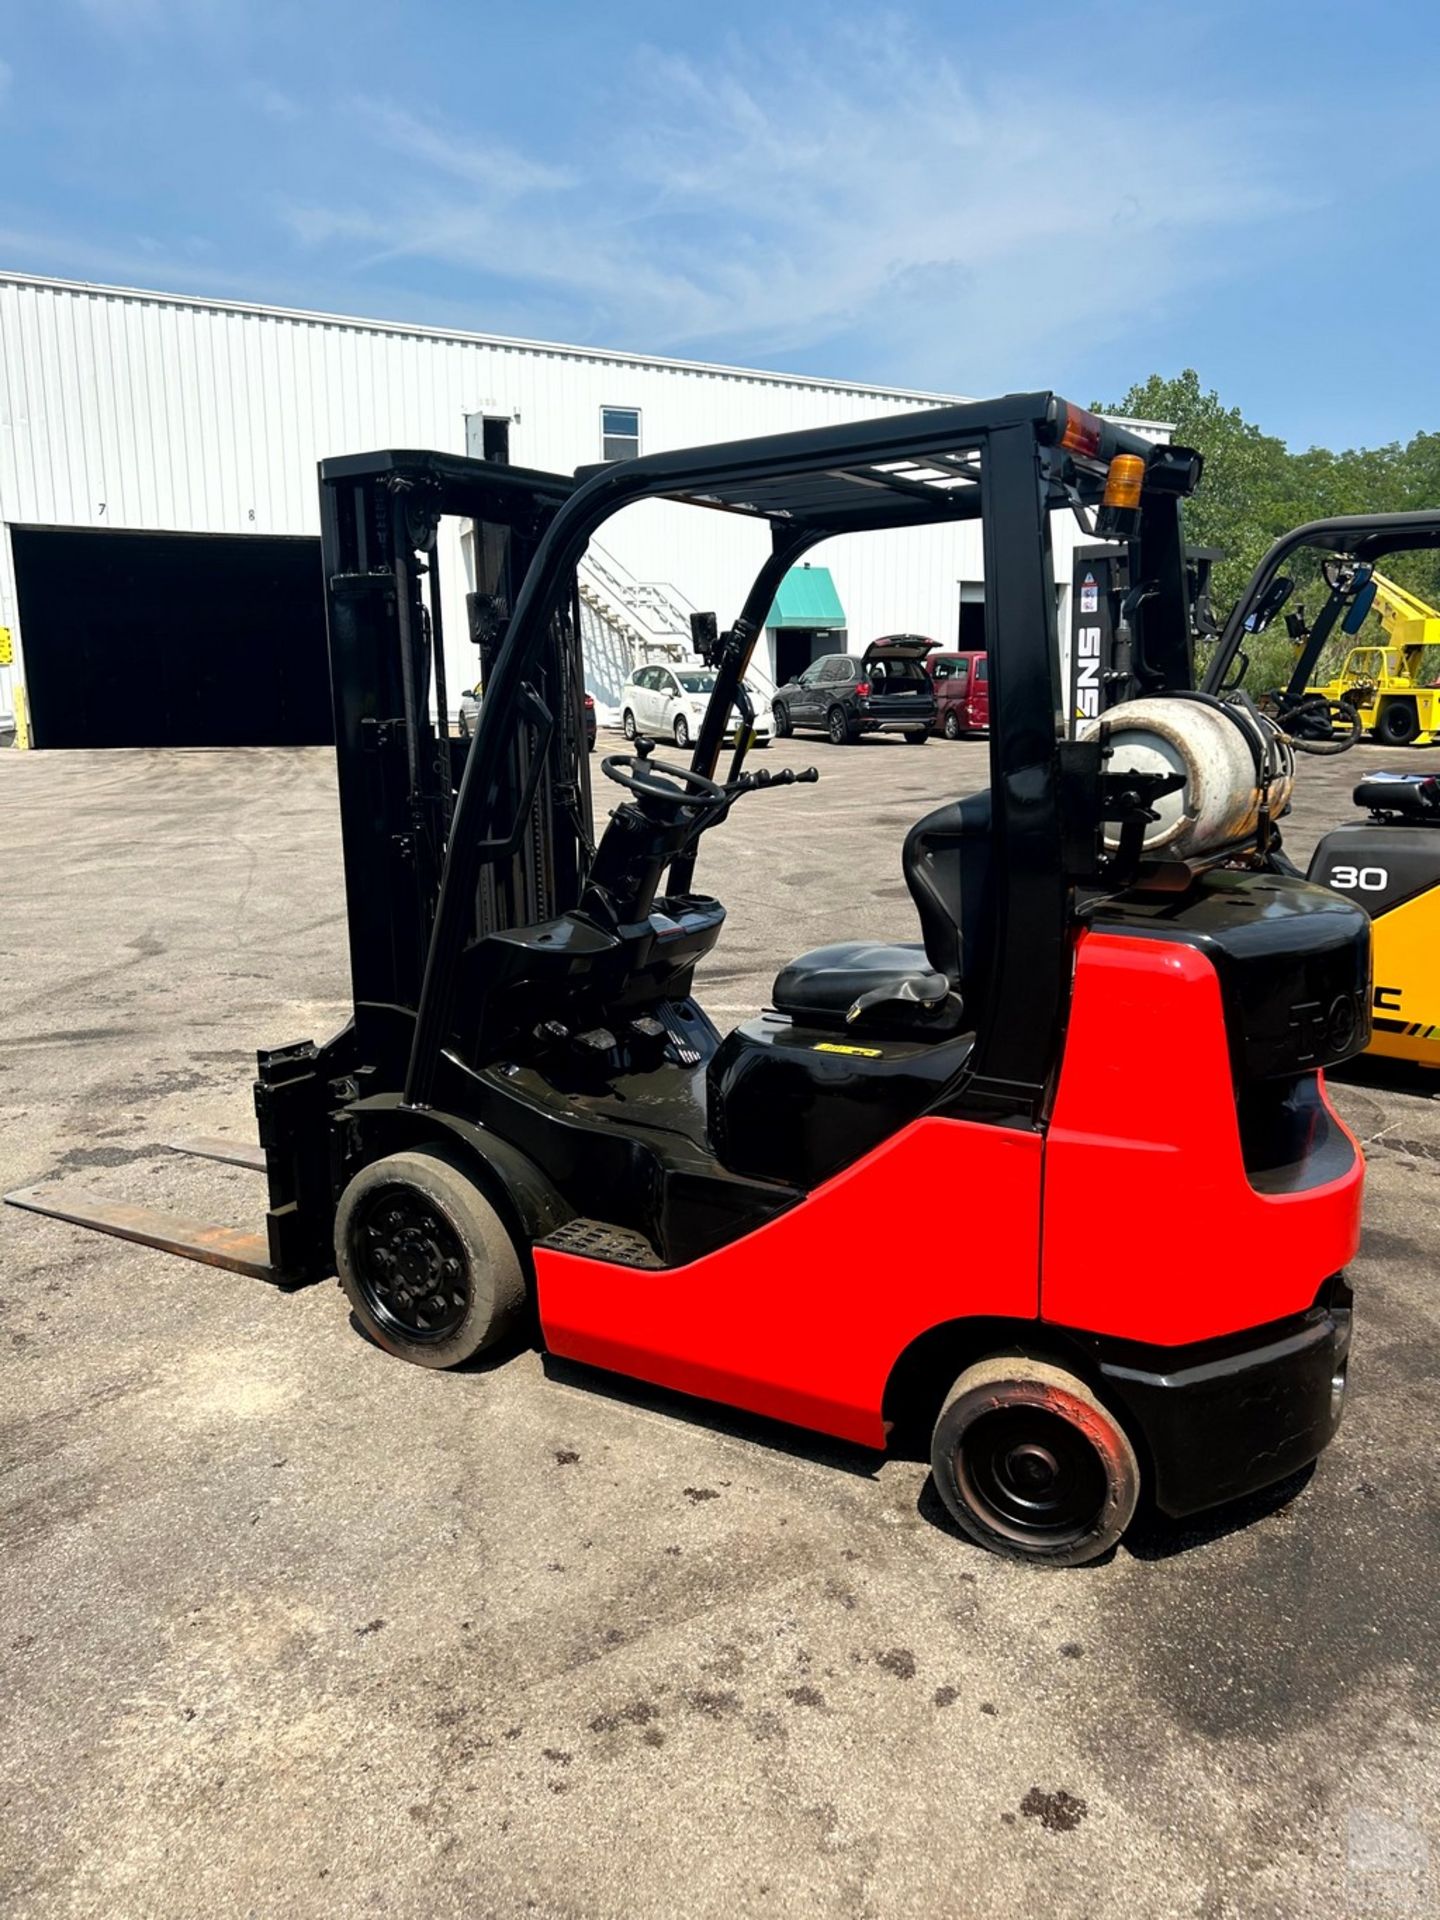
(22, 719)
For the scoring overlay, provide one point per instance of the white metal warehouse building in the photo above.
(133, 422)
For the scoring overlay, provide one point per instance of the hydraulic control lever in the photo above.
(763, 777)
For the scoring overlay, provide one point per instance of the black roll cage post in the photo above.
(1363, 536)
(737, 649)
(1003, 460)
(1159, 602)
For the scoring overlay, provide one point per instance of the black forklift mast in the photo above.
(1124, 640)
(398, 769)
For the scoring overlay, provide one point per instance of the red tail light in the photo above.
(589, 699)
(862, 687)
(1081, 432)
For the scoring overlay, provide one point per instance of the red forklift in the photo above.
(530, 1123)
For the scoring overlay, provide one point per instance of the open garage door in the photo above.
(172, 639)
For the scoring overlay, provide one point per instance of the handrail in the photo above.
(656, 604)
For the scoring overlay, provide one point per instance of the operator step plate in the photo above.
(598, 1240)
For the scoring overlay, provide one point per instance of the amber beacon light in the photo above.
(1119, 515)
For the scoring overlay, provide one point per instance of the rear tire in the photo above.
(1397, 723)
(1031, 1465)
(782, 723)
(916, 739)
(952, 728)
(838, 728)
(427, 1264)
(682, 731)
(627, 725)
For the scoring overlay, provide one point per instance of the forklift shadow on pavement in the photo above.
(753, 1429)
(1116, 1016)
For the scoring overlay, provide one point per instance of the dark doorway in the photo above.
(172, 639)
(796, 647)
(971, 636)
(497, 440)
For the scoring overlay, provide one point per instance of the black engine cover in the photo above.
(1293, 961)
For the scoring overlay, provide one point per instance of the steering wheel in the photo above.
(637, 774)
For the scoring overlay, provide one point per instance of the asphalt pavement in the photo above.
(289, 1628)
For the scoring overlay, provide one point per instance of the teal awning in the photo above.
(807, 598)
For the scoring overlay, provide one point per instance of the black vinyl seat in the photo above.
(892, 985)
(932, 989)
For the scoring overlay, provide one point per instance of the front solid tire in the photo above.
(1397, 723)
(1031, 1465)
(427, 1264)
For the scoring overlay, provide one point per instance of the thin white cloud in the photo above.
(272, 101)
(139, 260)
(867, 189)
(492, 166)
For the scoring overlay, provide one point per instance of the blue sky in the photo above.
(962, 197)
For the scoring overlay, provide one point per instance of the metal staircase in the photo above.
(625, 622)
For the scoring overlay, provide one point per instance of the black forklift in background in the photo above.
(531, 1122)
(1387, 860)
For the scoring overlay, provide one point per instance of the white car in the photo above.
(668, 703)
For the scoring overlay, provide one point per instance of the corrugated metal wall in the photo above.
(126, 409)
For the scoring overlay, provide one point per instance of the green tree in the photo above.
(1248, 495)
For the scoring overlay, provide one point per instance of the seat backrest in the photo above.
(947, 863)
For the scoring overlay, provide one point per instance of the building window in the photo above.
(619, 433)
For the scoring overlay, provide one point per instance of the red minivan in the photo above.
(962, 693)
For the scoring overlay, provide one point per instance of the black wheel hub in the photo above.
(1032, 1474)
(410, 1265)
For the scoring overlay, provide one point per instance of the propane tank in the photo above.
(1234, 762)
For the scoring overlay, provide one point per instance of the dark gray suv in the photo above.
(883, 690)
